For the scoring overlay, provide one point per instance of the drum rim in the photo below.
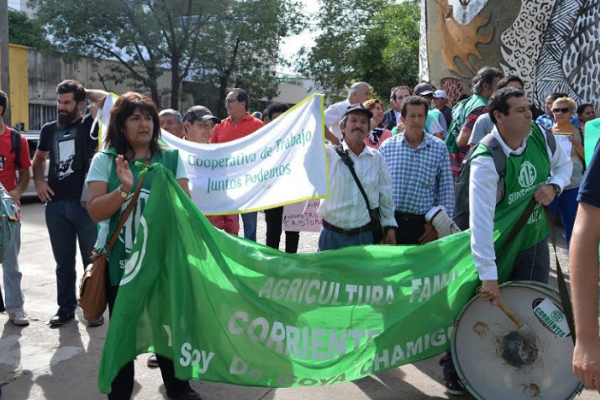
(552, 291)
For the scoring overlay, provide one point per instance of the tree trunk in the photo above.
(175, 81)
(220, 106)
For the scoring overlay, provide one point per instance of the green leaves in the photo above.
(376, 41)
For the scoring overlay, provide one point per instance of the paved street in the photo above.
(37, 362)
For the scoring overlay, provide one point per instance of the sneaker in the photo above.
(152, 361)
(97, 322)
(61, 317)
(454, 387)
(19, 318)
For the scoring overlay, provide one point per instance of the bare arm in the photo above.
(39, 168)
(183, 182)
(24, 176)
(463, 138)
(331, 137)
(584, 283)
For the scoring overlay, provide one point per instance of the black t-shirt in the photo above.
(589, 190)
(70, 149)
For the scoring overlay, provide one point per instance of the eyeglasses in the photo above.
(428, 95)
(564, 110)
(229, 101)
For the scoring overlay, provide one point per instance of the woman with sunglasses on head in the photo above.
(378, 133)
(563, 109)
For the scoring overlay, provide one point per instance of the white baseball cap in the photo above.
(440, 94)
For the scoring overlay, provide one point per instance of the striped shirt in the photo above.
(347, 208)
(421, 177)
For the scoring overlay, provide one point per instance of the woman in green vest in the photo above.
(132, 139)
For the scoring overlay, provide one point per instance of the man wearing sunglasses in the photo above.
(238, 125)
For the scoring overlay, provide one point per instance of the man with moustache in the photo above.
(421, 177)
(70, 143)
(346, 219)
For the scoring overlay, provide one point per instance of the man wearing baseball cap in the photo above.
(435, 125)
(199, 124)
(346, 218)
(440, 102)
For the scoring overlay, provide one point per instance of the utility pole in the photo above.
(5, 82)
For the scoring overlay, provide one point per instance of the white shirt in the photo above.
(482, 201)
(333, 116)
(347, 208)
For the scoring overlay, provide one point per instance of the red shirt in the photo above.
(8, 175)
(227, 131)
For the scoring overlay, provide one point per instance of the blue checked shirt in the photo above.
(421, 177)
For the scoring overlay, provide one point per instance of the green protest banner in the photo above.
(229, 310)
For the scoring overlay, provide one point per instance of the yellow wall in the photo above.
(19, 89)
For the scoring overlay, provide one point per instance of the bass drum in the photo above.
(496, 361)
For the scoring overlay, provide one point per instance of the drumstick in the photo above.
(510, 315)
(525, 331)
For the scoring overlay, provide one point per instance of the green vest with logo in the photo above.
(117, 259)
(460, 112)
(524, 174)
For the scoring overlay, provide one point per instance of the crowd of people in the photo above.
(404, 176)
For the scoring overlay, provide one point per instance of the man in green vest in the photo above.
(466, 113)
(532, 170)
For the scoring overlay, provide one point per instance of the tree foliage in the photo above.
(25, 31)
(185, 36)
(376, 41)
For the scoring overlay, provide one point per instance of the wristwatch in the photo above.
(556, 188)
(123, 193)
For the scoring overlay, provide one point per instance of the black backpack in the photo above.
(461, 188)
(15, 141)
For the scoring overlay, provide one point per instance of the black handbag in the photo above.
(374, 213)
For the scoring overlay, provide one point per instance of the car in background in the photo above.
(32, 140)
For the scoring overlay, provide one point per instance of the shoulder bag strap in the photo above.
(348, 161)
(128, 210)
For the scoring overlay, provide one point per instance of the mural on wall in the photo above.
(453, 88)
(423, 61)
(460, 37)
(553, 45)
(521, 41)
(570, 55)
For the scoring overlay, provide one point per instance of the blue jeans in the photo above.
(567, 203)
(330, 240)
(249, 221)
(68, 222)
(12, 276)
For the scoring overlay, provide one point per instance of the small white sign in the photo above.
(302, 217)
(553, 317)
(565, 143)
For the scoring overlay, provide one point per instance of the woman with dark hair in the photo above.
(378, 133)
(132, 136)
(586, 112)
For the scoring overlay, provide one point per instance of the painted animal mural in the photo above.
(553, 45)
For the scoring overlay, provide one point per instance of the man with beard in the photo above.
(421, 178)
(70, 143)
